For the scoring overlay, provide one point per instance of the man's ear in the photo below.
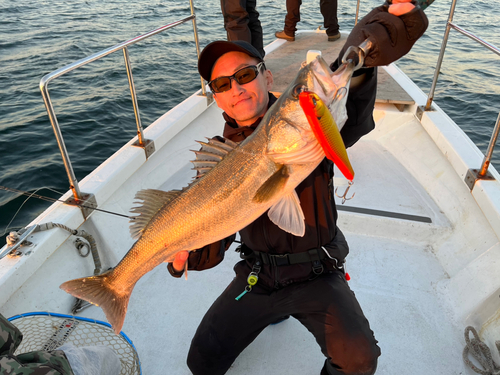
(269, 79)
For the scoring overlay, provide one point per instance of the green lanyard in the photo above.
(251, 280)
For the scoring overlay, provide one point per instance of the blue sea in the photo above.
(93, 103)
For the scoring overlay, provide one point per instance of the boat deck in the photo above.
(285, 62)
(395, 273)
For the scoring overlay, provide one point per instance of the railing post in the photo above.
(357, 13)
(140, 132)
(440, 58)
(491, 147)
(60, 141)
(196, 40)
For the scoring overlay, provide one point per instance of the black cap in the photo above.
(214, 50)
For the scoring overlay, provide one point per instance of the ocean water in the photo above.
(93, 103)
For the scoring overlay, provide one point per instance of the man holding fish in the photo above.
(269, 180)
(284, 274)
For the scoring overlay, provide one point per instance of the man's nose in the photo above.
(235, 86)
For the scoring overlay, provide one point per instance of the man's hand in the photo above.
(180, 260)
(392, 28)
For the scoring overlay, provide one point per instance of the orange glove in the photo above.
(400, 7)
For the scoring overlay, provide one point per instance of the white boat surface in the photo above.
(424, 248)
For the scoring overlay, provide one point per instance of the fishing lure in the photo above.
(326, 131)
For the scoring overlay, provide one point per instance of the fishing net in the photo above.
(48, 331)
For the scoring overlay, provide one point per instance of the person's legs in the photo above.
(330, 311)
(255, 26)
(229, 327)
(292, 16)
(236, 20)
(329, 11)
(326, 306)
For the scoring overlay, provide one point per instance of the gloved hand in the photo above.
(393, 29)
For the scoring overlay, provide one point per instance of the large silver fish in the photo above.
(237, 183)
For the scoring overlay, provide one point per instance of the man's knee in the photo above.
(357, 359)
(208, 355)
(202, 363)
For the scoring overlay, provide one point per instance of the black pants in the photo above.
(326, 306)
(328, 10)
(241, 21)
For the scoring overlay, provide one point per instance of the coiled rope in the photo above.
(480, 352)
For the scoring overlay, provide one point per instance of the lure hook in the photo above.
(344, 196)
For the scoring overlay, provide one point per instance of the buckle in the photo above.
(317, 267)
(279, 260)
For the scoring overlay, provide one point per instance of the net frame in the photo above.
(48, 331)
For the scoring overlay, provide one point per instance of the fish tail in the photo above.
(99, 291)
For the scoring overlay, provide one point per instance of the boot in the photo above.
(282, 35)
(333, 38)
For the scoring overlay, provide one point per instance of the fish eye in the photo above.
(297, 90)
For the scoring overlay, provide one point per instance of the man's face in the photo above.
(245, 103)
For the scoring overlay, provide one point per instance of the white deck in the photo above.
(418, 283)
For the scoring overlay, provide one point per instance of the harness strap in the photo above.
(313, 256)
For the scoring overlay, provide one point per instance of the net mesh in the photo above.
(49, 331)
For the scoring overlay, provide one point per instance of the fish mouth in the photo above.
(332, 87)
(329, 86)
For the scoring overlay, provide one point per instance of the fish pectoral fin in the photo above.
(153, 201)
(310, 152)
(272, 186)
(287, 214)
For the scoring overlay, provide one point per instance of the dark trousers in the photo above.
(326, 306)
(328, 9)
(241, 21)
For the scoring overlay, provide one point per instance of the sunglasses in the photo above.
(242, 76)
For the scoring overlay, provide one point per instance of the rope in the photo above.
(480, 352)
(79, 233)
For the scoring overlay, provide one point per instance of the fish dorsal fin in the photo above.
(272, 186)
(287, 214)
(153, 201)
(211, 153)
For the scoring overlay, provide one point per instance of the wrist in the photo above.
(173, 271)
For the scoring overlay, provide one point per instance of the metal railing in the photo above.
(144, 143)
(473, 174)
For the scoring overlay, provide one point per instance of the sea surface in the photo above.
(93, 103)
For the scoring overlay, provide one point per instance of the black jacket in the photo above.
(317, 203)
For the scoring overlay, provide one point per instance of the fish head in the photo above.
(289, 131)
(316, 76)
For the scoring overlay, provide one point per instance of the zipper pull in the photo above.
(248, 288)
(251, 280)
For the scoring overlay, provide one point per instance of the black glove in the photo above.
(392, 36)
